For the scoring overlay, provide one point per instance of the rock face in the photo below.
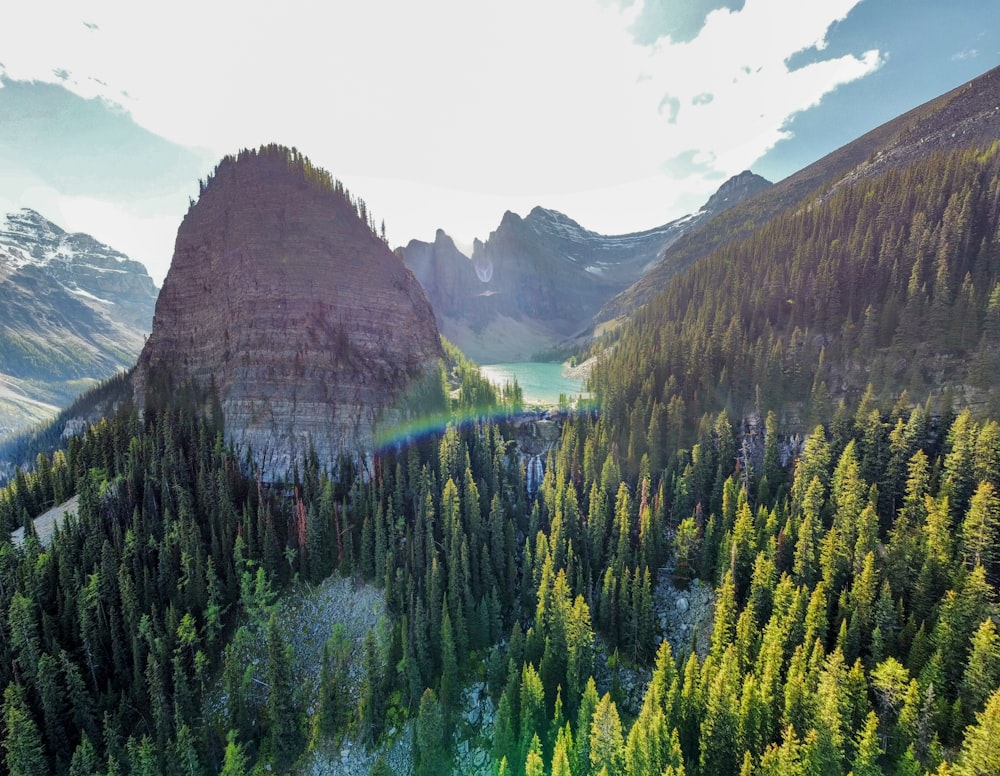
(281, 292)
(73, 311)
(538, 281)
(734, 191)
(451, 280)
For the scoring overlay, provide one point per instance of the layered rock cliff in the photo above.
(281, 292)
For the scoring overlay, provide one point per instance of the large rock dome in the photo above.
(282, 293)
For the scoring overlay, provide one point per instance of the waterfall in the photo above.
(534, 473)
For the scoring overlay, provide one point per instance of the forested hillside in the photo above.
(855, 626)
(806, 421)
(891, 282)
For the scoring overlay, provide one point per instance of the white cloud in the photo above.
(523, 101)
(740, 59)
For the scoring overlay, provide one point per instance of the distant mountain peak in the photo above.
(31, 220)
(31, 238)
(735, 190)
(554, 221)
(28, 228)
(75, 311)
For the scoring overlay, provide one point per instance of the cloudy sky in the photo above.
(623, 114)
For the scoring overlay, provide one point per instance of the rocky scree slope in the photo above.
(280, 291)
(73, 311)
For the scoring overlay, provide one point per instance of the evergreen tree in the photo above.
(868, 750)
(533, 763)
(980, 754)
(982, 671)
(561, 751)
(24, 753)
(282, 717)
(430, 744)
(449, 669)
(234, 761)
(980, 532)
(607, 747)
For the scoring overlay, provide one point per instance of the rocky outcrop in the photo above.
(281, 292)
(734, 191)
(454, 285)
(73, 311)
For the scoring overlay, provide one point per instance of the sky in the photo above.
(623, 114)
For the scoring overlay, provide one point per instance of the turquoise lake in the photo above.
(541, 382)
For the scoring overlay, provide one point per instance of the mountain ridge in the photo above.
(969, 113)
(536, 281)
(75, 312)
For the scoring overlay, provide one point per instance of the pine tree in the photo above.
(720, 725)
(561, 751)
(430, 745)
(373, 694)
(868, 749)
(980, 532)
(645, 745)
(282, 717)
(449, 669)
(724, 627)
(607, 747)
(24, 753)
(234, 760)
(585, 715)
(533, 763)
(532, 707)
(84, 761)
(783, 760)
(982, 671)
(980, 755)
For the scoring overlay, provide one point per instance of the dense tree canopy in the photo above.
(850, 538)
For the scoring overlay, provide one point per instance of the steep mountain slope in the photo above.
(281, 293)
(964, 116)
(892, 281)
(537, 281)
(72, 312)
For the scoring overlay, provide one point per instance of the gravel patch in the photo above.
(684, 616)
(45, 524)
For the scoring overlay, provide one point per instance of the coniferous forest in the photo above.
(807, 421)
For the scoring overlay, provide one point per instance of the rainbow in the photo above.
(414, 429)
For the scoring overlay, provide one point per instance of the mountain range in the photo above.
(796, 409)
(536, 283)
(965, 116)
(77, 310)
(73, 312)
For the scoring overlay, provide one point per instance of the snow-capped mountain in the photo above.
(73, 311)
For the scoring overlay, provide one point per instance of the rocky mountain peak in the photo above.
(28, 225)
(75, 311)
(443, 241)
(281, 292)
(734, 191)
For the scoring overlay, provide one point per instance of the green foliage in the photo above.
(856, 606)
(430, 743)
(833, 292)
